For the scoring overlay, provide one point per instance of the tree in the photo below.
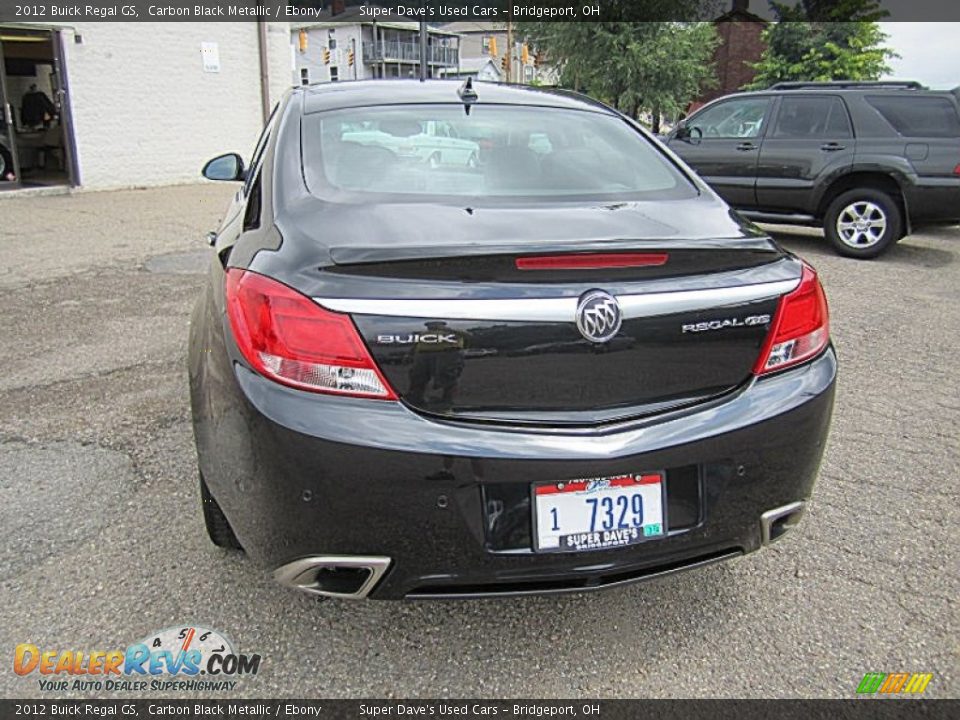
(821, 40)
(632, 64)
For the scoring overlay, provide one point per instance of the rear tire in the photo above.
(863, 223)
(218, 527)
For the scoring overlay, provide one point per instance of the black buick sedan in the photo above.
(480, 340)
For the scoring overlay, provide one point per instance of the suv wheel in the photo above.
(218, 527)
(863, 223)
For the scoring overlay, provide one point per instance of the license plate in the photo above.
(599, 513)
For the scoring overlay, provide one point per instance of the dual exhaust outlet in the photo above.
(339, 576)
(775, 523)
(355, 576)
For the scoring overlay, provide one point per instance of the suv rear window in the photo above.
(917, 116)
(425, 152)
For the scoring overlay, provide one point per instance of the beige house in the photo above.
(483, 51)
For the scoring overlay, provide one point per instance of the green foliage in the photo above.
(821, 40)
(635, 66)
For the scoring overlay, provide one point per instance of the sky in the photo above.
(930, 52)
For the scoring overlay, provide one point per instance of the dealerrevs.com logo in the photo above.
(177, 658)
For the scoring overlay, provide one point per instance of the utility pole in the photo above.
(264, 73)
(423, 51)
(509, 68)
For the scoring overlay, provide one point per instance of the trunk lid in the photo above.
(461, 332)
(482, 339)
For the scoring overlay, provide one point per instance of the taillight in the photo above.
(800, 328)
(956, 170)
(289, 338)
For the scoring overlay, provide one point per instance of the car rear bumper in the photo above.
(933, 201)
(447, 504)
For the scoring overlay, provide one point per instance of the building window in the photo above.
(334, 73)
(304, 76)
(331, 40)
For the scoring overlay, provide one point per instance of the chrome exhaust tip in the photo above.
(339, 576)
(775, 523)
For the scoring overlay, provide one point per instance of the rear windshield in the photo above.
(914, 116)
(428, 152)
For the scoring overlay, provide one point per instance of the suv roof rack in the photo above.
(852, 84)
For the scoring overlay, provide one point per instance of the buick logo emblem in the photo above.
(598, 316)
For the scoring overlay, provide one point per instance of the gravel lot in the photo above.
(101, 540)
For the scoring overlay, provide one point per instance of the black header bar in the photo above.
(66, 12)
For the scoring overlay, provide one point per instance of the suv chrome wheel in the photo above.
(861, 224)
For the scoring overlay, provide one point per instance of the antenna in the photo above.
(466, 92)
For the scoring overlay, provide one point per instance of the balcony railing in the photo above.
(394, 50)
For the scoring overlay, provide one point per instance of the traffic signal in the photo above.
(492, 47)
(503, 63)
(326, 56)
(538, 59)
(350, 58)
(303, 41)
(525, 54)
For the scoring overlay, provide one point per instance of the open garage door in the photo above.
(36, 139)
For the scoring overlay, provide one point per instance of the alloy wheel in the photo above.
(861, 224)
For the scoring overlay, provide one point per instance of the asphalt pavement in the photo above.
(102, 543)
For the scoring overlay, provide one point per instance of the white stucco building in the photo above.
(136, 104)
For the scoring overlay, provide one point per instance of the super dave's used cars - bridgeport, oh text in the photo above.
(562, 365)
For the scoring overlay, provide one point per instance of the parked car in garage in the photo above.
(569, 368)
(869, 162)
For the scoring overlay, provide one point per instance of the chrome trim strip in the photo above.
(558, 309)
(519, 309)
(634, 306)
(301, 574)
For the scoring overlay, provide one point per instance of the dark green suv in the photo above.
(870, 162)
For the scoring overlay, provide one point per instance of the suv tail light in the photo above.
(800, 328)
(289, 338)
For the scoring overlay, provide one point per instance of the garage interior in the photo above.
(35, 141)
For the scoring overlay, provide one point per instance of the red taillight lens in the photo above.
(289, 338)
(800, 328)
(956, 170)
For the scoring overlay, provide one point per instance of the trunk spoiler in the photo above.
(355, 255)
